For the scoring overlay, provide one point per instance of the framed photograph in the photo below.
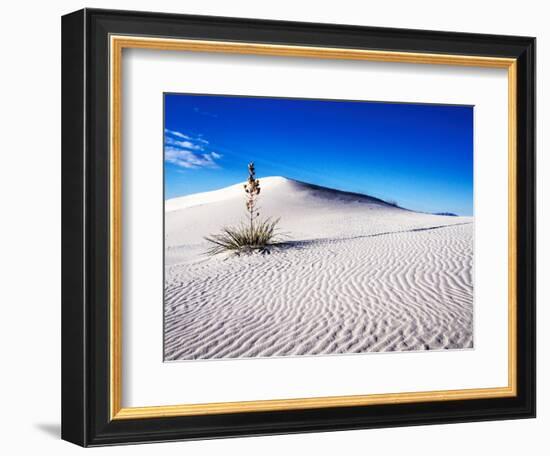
(278, 227)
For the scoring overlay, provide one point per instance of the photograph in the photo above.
(299, 227)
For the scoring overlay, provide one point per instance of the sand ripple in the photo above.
(387, 290)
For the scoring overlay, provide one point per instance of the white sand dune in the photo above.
(356, 275)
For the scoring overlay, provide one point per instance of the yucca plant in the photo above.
(244, 238)
(254, 235)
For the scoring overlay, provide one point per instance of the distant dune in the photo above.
(357, 275)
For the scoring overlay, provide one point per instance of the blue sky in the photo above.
(419, 155)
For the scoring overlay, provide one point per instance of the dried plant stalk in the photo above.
(252, 189)
(254, 235)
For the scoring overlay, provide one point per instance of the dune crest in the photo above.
(276, 183)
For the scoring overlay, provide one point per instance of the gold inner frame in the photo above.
(117, 44)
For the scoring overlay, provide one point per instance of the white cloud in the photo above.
(188, 152)
(176, 133)
(202, 140)
(183, 144)
(188, 159)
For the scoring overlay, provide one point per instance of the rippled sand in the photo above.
(357, 275)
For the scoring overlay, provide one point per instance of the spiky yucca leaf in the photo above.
(245, 238)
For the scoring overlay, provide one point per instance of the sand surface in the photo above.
(356, 275)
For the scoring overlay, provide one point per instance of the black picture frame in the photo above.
(85, 224)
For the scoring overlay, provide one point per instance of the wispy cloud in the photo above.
(189, 152)
(177, 134)
(188, 159)
(186, 144)
(205, 113)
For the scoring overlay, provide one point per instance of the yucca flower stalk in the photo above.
(252, 189)
(255, 235)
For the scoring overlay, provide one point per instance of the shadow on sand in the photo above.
(290, 244)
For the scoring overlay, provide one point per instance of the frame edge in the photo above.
(73, 302)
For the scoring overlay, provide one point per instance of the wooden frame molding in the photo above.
(116, 46)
